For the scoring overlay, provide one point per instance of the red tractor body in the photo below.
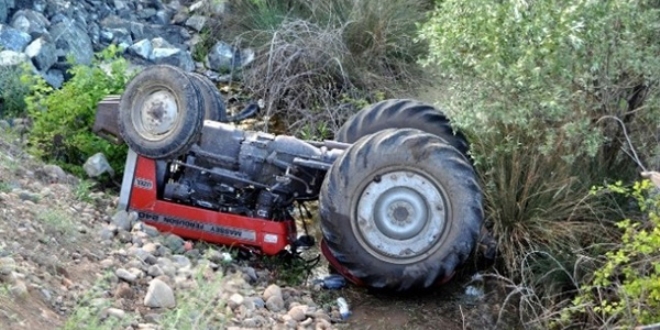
(270, 237)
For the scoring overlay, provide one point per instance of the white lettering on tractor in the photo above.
(247, 235)
(144, 183)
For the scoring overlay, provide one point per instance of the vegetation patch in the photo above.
(62, 119)
(624, 290)
(553, 95)
(13, 91)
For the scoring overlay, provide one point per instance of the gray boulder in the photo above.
(12, 58)
(23, 4)
(97, 165)
(220, 57)
(121, 36)
(142, 49)
(174, 5)
(119, 4)
(42, 53)
(161, 43)
(94, 33)
(223, 57)
(175, 35)
(146, 14)
(13, 39)
(209, 7)
(162, 17)
(60, 18)
(159, 295)
(40, 5)
(112, 22)
(196, 22)
(31, 22)
(137, 30)
(4, 11)
(98, 9)
(70, 38)
(72, 10)
(106, 37)
(53, 77)
(174, 56)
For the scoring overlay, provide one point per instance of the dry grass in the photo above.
(535, 308)
(540, 202)
(301, 74)
(320, 61)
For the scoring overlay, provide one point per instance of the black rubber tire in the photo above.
(365, 162)
(214, 105)
(401, 113)
(189, 104)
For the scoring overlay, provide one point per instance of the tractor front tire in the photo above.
(214, 105)
(401, 113)
(400, 209)
(161, 112)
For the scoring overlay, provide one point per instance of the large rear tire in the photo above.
(401, 113)
(160, 112)
(400, 209)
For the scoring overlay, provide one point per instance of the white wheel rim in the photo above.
(401, 217)
(157, 116)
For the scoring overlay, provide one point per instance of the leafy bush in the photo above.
(62, 118)
(12, 91)
(311, 56)
(624, 291)
(535, 86)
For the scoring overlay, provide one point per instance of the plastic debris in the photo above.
(474, 291)
(344, 310)
(331, 282)
(477, 277)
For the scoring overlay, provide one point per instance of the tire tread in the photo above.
(332, 200)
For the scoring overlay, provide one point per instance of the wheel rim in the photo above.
(401, 216)
(157, 114)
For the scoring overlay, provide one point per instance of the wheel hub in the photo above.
(158, 114)
(401, 216)
(400, 213)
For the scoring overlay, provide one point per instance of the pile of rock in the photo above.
(147, 276)
(153, 270)
(44, 33)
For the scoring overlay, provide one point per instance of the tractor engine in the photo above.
(248, 173)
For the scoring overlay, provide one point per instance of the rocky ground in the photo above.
(43, 33)
(69, 260)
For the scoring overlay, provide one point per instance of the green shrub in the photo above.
(534, 86)
(12, 91)
(62, 118)
(310, 55)
(624, 291)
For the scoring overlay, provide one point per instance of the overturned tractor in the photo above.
(399, 201)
